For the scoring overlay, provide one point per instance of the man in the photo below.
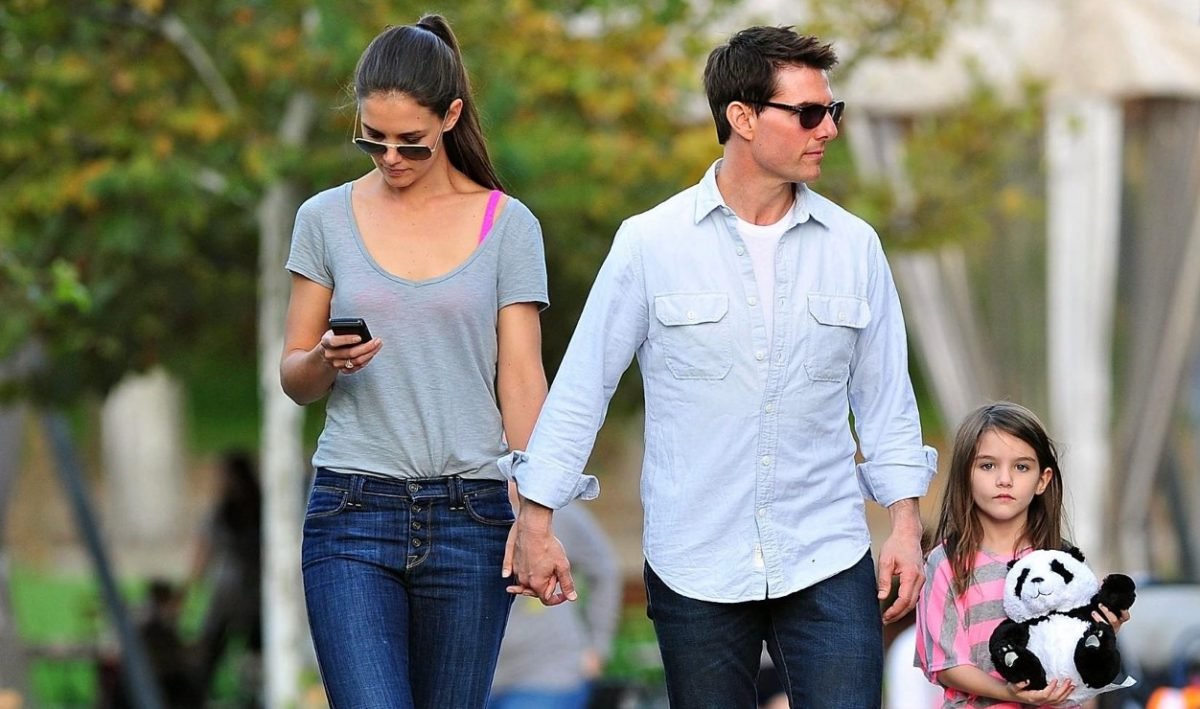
(762, 316)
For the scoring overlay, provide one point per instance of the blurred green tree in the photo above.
(137, 137)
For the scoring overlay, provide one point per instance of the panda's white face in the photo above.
(1045, 581)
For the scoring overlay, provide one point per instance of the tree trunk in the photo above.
(282, 463)
(1154, 401)
(938, 309)
(144, 469)
(14, 666)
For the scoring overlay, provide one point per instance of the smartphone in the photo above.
(350, 326)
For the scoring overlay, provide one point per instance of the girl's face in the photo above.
(1005, 477)
(397, 119)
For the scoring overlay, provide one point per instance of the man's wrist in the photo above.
(534, 516)
(906, 517)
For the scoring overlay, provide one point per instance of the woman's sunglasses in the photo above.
(408, 151)
(413, 151)
(811, 114)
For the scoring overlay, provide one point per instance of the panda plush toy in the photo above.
(1050, 633)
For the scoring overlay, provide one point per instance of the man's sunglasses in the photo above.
(408, 151)
(811, 114)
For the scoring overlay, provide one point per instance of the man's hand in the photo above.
(901, 556)
(537, 557)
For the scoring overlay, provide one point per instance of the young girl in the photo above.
(1003, 499)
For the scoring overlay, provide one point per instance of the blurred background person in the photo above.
(228, 561)
(552, 655)
(171, 660)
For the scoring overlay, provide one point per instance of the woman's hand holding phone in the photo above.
(348, 344)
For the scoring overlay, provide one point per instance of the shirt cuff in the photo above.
(546, 483)
(898, 478)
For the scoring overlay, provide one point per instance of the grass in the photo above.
(65, 626)
(60, 620)
(63, 619)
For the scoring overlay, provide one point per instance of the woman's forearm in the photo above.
(305, 375)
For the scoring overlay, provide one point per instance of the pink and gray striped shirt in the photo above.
(954, 630)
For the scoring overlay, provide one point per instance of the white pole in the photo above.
(1083, 144)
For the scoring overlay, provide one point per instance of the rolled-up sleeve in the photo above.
(889, 481)
(611, 328)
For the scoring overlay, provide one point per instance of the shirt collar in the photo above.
(708, 198)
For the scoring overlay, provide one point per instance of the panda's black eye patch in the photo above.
(1057, 567)
(1021, 581)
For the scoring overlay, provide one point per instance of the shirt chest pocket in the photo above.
(834, 324)
(695, 335)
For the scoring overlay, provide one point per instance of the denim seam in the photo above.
(781, 665)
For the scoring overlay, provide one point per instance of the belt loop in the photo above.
(356, 488)
(456, 492)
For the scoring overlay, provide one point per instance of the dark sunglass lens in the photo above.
(369, 147)
(811, 116)
(415, 152)
(836, 110)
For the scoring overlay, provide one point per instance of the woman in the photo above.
(407, 520)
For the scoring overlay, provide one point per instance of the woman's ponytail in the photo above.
(423, 61)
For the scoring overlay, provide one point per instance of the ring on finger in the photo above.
(349, 364)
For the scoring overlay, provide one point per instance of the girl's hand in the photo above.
(1116, 621)
(345, 353)
(1055, 693)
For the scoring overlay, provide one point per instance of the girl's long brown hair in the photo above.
(423, 62)
(958, 526)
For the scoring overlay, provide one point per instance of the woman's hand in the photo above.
(346, 353)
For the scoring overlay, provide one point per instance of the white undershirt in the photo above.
(761, 243)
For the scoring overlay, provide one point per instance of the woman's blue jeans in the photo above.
(826, 642)
(402, 582)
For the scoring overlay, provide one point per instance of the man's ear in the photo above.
(741, 119)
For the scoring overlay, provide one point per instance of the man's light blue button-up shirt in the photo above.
(749, 482)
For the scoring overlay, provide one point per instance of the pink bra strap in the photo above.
(490, 214)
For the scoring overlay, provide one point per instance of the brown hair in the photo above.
(958, 526)
(743, 69)
(423, 62)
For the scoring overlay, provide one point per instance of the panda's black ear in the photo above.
(1075, 552)
(1012, 564)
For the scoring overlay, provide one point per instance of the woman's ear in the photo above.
(741, 119)
(453, 113)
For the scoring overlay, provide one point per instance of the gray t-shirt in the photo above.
(426, 404)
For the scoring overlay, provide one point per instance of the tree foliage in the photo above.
(137, 136)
